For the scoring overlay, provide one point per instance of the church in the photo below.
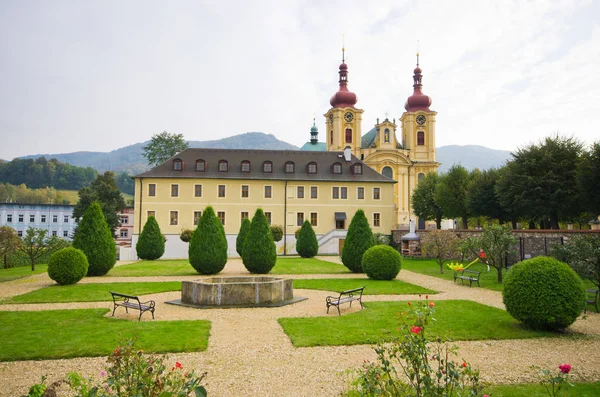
(404, 152)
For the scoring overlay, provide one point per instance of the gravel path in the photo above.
(249, 355)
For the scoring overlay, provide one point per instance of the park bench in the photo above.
(592, 299)
(345, 297)
(472, 276)
(132, 302)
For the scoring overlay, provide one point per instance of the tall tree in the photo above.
(494, 247)
(9, 242)
(37, 244)
(423, 200)
(482, 199)
(358, 240)
(163, 146)
(588, 179)
(441, 245)
(105, 191)
(207, 251)
(94, 239)
(451, 193)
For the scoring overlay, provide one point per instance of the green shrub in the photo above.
(207, 251)
(241, 237)
(259, 255)
(277, 232)
(297, 233)
(67, 266)
(94, 238)
(151, 244)
(186, 235)
(382, 262)
(358, 240)
(307, 245)
(381, 238)
(543, 293)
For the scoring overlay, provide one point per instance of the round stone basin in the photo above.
(237, 291)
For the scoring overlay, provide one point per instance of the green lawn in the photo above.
(307, 266)
(536, 390)
(20, 272)
(86, 332)
(456, 320)
(92, 292)
(372, 287)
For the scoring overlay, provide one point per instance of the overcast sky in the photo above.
(100, 75)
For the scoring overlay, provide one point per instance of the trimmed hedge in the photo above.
(259, 255)
(307, 245)
(358, 240)
(207, 251)
(382, 262)
(241, 237)
(543, 293)
(67, 266)
(94, 238)
(151, 244)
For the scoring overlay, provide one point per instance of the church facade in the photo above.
(403, 151)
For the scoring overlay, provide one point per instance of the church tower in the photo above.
(343, 120)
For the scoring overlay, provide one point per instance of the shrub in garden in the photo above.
(543, 293)
(94, 238)
(259, 255)
(307, 245)
(207, 251)
(382, 262)
(277, 232)
(186, 235)
(67, 266)
(358, 240)
(151, 244)
(241, 237)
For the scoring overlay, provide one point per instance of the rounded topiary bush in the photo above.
(259, 254)
(277, 232)
(358, 240)
(94, 238)
(151, 244)
(382, 262)
(67, 266)
(543, 293)
(307, 245)
(207, 251)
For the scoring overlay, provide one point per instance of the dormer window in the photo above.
(177, 165)
(200, 165)
(289, 167)
(311, 168)
(267, 167)
(357, 169)
(245, 166)
(337, 168)
(223, 166)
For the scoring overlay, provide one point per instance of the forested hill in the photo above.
(471, 157)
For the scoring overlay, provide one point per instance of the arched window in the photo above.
(331, 137)
(289, 167)
(200, 165)
(311, 167)
(223, 166)
(357, 169)
(348, 135)
(420, 177)
(336, 168)
(387, 171)
(177, 165)
(386, 135)
(245, 167)
(267, 167)
(420, 138)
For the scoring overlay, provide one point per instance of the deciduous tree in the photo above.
(36, 244)
(441, 245)
(482, 199)
(423, 200)
(588, 179)
(9, 242)
(582, 253)
(451, 193)
(494, 247)
(163, 146)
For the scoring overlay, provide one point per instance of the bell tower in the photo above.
(343, 121)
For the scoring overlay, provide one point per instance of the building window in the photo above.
(313, 192)
(348, 135)
(22, 217)
(268, 216)
(152, 213)
(65, 234)
(300, 192)
(387, 171)
(54, 233)
(32, 218)
(360, 193)
(20, 233)
(152, 190)
(299, 218)
(335, 192)
(65, 219)
(337, 168)
(244, 216)
(376, 193)
(200, 165)
(268, 191)
(357, 169)
(245, 166)
(124, 220)
(174, 190)
(197, 190)
(289, 167)
(331, 137)
(221, 216)
(223, 166)
(313, 219)
(245, 191)
(9, 218)
(267, 166)
(177, 165)
(312, 168)
(43, 220)
(221, 190)
(420, 138)
(123, 233)
(386, 135)
(376, 220)
(344, 192)
(174, 217)
(420, 177)
(197, 216)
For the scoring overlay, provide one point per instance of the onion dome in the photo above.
(314, 133)
(343, 98)
(418, 100)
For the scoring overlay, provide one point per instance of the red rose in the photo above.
(415, 330)
(464, 364)
(565, 368)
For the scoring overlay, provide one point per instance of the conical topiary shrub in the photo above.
(241, 237)
(151, 244)
(207, 251)
(94, 238)
(307, 245)
(358, 240)
(259, 255)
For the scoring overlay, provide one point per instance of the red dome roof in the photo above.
(418, 100)
(343, 98)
